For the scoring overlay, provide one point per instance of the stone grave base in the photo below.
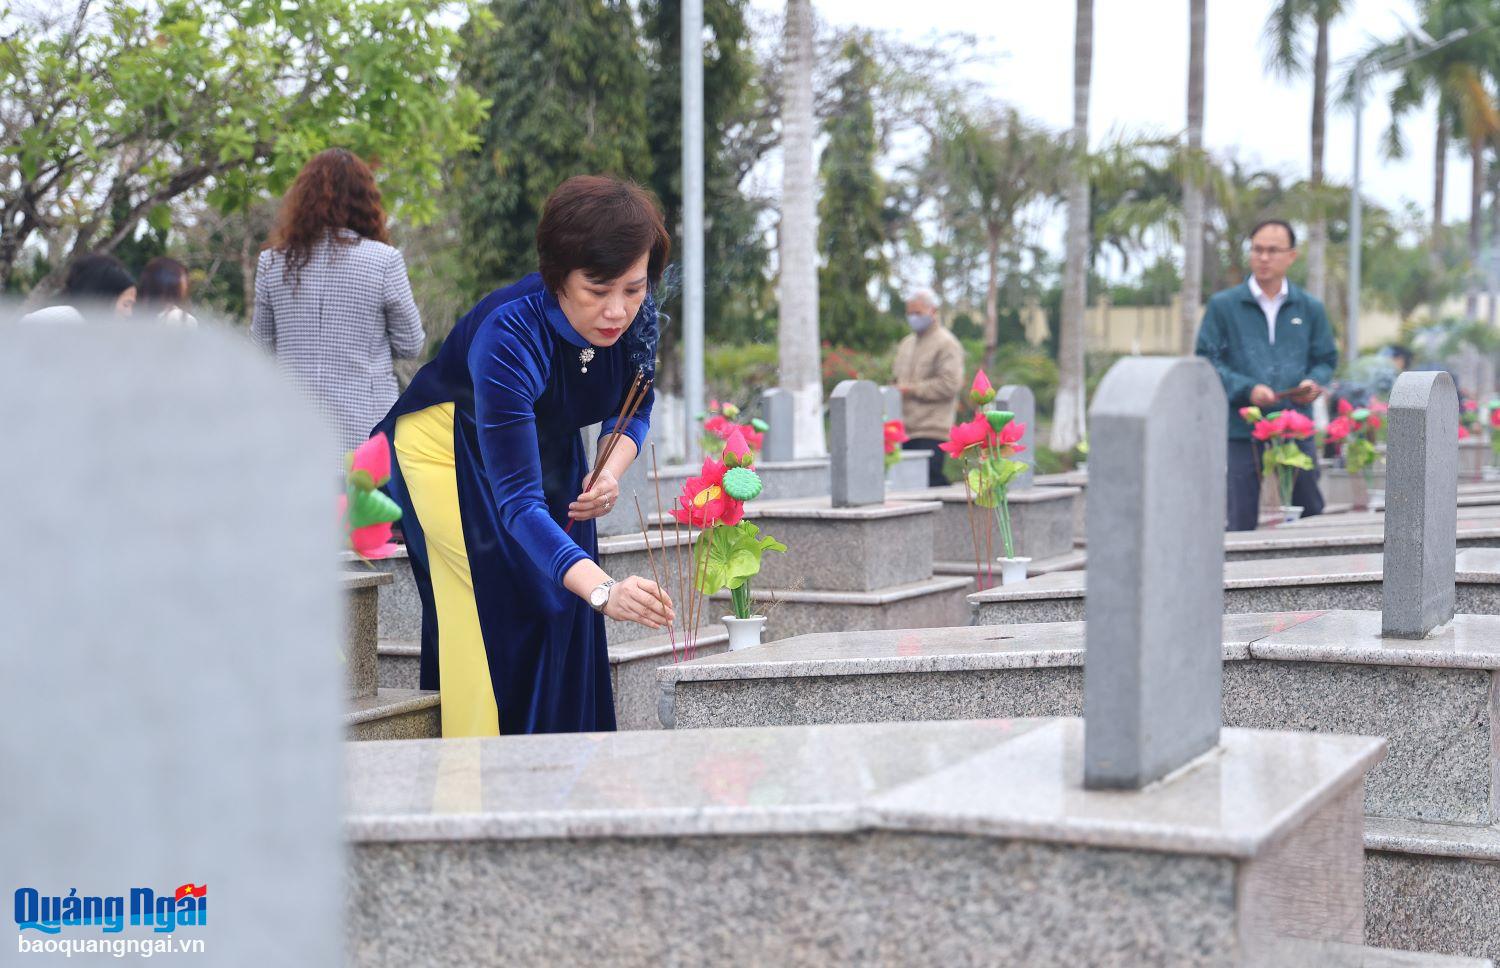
(912, 844)
(1041, 521)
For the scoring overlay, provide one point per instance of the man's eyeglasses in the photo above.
(1267, 250)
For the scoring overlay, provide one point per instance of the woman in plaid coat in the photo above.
(332, 299)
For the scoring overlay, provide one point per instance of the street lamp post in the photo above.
(692, 220)
(1356, 207)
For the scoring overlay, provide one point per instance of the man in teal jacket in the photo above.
(1273, 348)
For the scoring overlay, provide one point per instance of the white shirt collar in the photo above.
(1259, 293)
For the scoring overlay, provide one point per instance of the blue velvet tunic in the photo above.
(511, 368)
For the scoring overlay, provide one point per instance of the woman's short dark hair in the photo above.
(97, 276)
(1291, 233)
(600, 225)
(164, 284)
(334, 190)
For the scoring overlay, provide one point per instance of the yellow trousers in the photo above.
(424, 451)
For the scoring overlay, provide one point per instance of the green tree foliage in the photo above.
(851, 228)
(567, 82)
(111, 111)
(736, 290)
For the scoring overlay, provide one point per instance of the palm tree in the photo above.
(801, 365)
(1285, 26)
(1192, 185)
(1456, 75)
(997, 166)
(1069, 416)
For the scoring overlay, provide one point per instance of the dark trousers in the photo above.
(935, 476)
(1243, 485)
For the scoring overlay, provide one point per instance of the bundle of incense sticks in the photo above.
(633, 400)
(677, 570)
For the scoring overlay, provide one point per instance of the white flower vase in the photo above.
(1012, 570)
(744, 632)
(1290, 513)
(1377, 497)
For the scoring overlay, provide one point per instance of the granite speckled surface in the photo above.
(877, 697)
(633, 670)
(361, 631)
(942, 649)
(925, 604)
(848, 549)
(1467, 642)
(1438, 722)
(984, 824)
(1041, 522)
(1280, 584)
(400, 663)
(391, 714)
(400, 605)
(786, 900)
(1432, 903)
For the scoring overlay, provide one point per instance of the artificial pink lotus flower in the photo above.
(1463, 433)
(1471, 405)
(373, 541)
(965, 435)
(1250, 414)
(1296, 426)
(981, 392)
(1266, 429)
(737, 451)
(1345, 407)
(1006, 442)
(895, 435)
(374, 458)
(704, 503)
(1339, 428)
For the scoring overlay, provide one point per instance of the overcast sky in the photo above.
(1140, 78)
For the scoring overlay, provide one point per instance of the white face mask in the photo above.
(918, 321)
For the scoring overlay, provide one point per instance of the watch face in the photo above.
(598, 597)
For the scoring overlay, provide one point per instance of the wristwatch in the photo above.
(599, 597)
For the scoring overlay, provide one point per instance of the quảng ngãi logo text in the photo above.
(164, 913)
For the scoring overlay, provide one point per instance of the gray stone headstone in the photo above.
(892, 397)
(856, 445)
(1020, 401)
(1155, 605)
(171, 625)
(779, 413)
(1421, 505)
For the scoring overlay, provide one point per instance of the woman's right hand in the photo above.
(640, 600)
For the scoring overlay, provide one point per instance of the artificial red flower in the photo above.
(1495, 417)
(718, 425)
(753, 437)
(1345, 408)
(1250, 414)
(1339, 428)
(895, 435)
(736, 450)
(1006, 442)
(965, 435)
(1463, 433)
(374, 457)
(373, 541)
(1296, 426)
(1471, 405)
(703, 502)
(981, 392)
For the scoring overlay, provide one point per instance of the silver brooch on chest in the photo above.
(585, 357)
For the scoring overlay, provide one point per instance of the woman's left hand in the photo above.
(599, 500)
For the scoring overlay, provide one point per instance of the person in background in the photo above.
(162, 293)
(1400, 358)
(96, 280)
(929, 372)
(1273, 348)
(332, 298)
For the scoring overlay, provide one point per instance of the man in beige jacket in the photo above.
(929, 372)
